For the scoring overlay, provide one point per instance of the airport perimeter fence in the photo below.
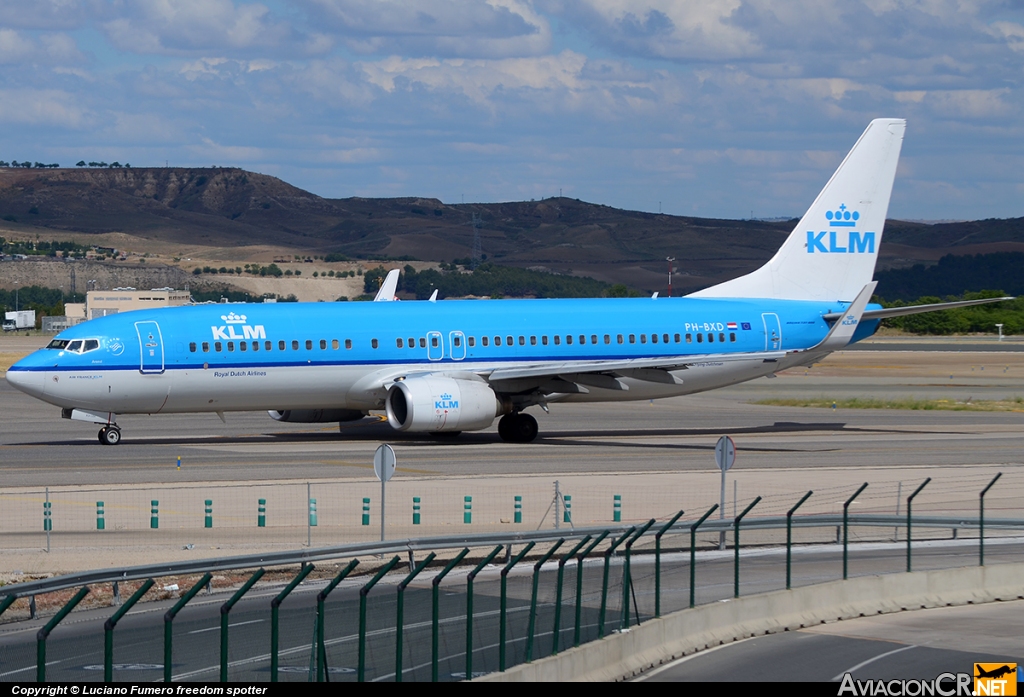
(178, 521)
(445, 608)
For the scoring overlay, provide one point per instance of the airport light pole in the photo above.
(670, 260)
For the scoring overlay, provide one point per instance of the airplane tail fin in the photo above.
(831, 253)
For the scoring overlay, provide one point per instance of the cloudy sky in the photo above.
(726, 108)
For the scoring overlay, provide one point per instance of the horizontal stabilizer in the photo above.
(842, 331)
(917, 309)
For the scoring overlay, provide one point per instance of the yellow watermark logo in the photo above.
(995, 679)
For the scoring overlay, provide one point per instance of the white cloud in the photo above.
(42, 107)
(48, 14)
(465, 28)
(47, 49)
(187, 26)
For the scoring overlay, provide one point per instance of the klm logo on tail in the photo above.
(852, 242)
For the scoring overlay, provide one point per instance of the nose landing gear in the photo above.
(109, 435)
(517, 427)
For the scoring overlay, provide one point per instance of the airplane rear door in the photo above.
(457, 345)
(772, 331)
(151, 345)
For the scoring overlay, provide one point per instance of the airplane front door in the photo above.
(151, 345)
(435, 346)
(772, 331)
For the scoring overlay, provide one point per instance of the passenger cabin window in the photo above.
(373, 343)
(618, 338)
(456, 341)
(218, 347)
(268, 346)
(711, 337)
(700, 338)
(295, 345)
(721, 337)
(483, 340)
(309, 344)
(533, 341)
(433, 342)
(632, 338)
(654, 338)
(399, 343)
(348, 344)
(607, 338)
(568, 338)
(206, 347)
(472, 341)
(643, 338)
(544, 340)
(677, 338)
(522, 341)
(255, 346)
(508, 340)
(689, 338)
(558, 340)
(732, 336)
(323, 344)
(497, 341)
(335, 345)
(281, 345)
(242, 346)
(423, 342)
(192, 347)
(231, 346)
(593, 338)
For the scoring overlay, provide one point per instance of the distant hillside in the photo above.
(232, 207)
(954, 275)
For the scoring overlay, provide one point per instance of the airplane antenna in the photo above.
(477, 251)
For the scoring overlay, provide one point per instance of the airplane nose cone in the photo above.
(28, 381)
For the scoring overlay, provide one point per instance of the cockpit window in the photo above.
(59, 344)
(75, 346)
(90, 345)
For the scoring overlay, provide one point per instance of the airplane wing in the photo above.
(387, 289)
(917, 309)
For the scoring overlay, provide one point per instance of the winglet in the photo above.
(842, 331)
(387, 289)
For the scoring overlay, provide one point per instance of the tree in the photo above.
(80, 163)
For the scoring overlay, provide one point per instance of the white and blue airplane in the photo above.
(457, 365)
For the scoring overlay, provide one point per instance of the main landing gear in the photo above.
(110, 435)
(517, 427)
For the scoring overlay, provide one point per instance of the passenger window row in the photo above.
(411, 342)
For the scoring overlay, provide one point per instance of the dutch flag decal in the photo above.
(731, 325)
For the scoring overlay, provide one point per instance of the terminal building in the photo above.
(100, 303)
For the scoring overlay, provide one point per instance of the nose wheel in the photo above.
(109, 435)
(517, 428)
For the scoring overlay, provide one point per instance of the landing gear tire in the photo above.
(110, 435)
(517, 428)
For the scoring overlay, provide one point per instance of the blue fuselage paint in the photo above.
(266, 352)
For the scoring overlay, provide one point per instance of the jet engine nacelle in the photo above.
(439, 404)
(316, 416)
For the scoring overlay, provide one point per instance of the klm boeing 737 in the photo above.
(457, 365)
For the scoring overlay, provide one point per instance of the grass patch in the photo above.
(1015, 404)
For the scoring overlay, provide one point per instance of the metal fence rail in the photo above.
(622, 575)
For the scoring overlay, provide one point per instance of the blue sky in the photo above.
(719, 109)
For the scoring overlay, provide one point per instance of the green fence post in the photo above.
(43, 633)
(981, 519)
(846, 526)
(366, 510)
(567, 514)
(224, 610)
(518, 518)
(275, 604)
(467, 509)
(312, 513)
(363, 592)
(108, 630)
(469, 608)
(736, 546)
(101, 524)
(415, 510)
(321, 601)
(579, 585)
(503, 611)
(693, 551)
(533, 598)
(154, 515)
(208, 521)
(6, 603)
(435, 616)
(47, 522)
(627, 579)
(657, 561)
(261, 514)
(604, 584)
(789, 537)
(910, 502)
(558, 593)
(169, 618)
(617, 509)
(400, 613)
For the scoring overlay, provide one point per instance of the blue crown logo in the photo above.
(232, 318)
(446, 396)
(842, 217)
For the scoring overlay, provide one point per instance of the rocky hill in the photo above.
(227, 207)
